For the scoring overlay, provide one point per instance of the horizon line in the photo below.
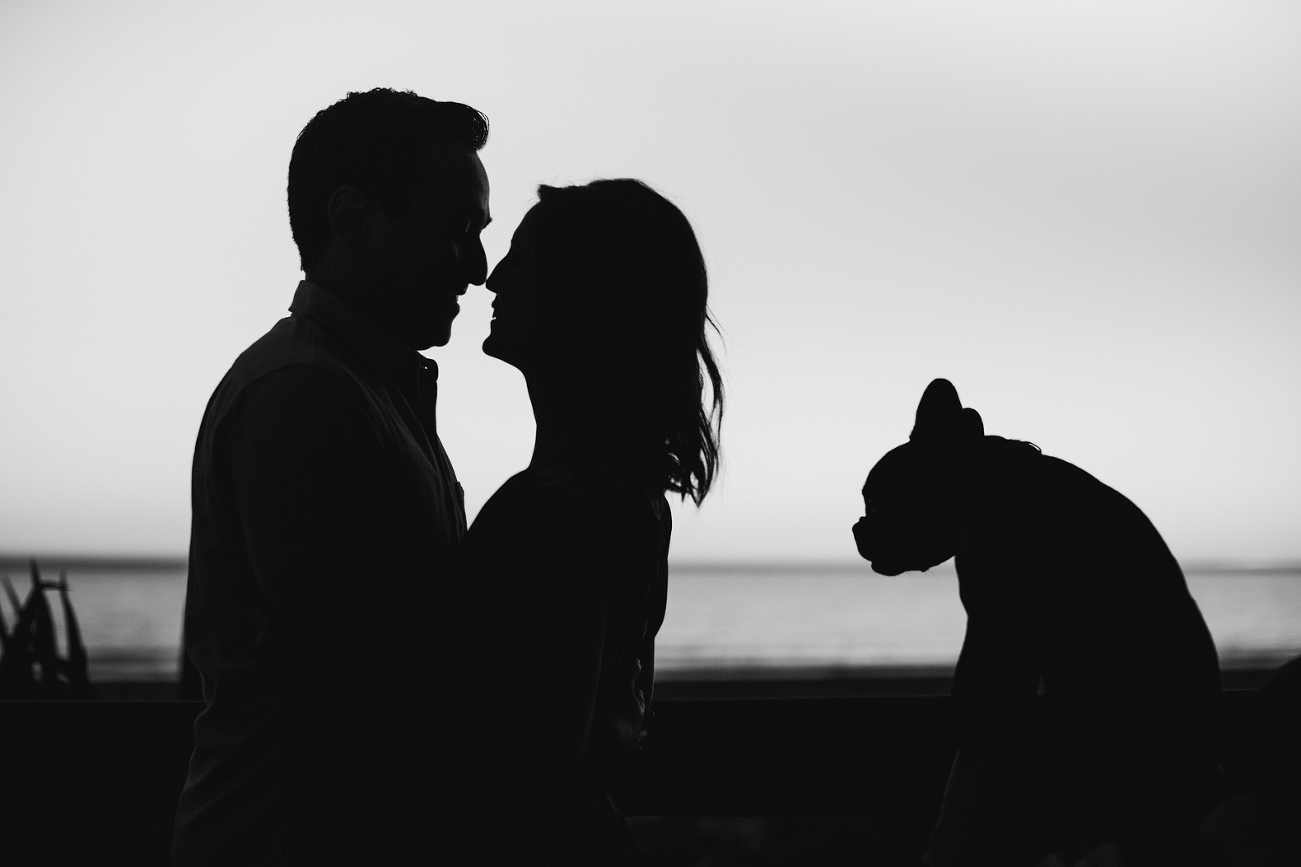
(718, 565)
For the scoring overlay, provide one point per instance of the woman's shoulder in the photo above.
(590, 484)
(582, 493)
(595, 503)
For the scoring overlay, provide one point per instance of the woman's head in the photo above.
(604, 291)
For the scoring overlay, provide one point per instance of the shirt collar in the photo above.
(360, 333)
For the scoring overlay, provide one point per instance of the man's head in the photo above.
(387, 198)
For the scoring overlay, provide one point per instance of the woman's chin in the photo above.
(502, 350)
(492, 345)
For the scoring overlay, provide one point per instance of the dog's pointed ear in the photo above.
(939, 414)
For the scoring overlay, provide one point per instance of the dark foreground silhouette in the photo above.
(1069, 591)
(1258, 824)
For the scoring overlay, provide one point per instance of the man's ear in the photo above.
(939, 414)
(350, 215)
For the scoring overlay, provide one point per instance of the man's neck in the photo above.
(359, 295)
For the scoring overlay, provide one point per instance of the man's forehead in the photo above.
(454, 166)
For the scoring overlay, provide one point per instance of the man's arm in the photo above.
(307, 468)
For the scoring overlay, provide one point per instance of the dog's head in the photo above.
(911, 495)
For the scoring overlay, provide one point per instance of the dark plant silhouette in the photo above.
(30, 665)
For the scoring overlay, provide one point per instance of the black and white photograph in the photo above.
(690, 434)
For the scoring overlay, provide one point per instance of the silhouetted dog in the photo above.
(1069, 592)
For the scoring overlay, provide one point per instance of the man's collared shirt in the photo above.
(325, 513)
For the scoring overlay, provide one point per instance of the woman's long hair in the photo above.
(623, 262)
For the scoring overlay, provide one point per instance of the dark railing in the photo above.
(96, 782)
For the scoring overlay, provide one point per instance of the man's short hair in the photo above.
(374, 141)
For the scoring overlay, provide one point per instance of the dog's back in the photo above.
(1115, 623)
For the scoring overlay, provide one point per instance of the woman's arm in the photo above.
(543, 646)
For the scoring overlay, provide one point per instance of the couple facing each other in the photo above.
(383, 684)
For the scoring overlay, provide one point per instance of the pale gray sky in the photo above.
(1087, 215)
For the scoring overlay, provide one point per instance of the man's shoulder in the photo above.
(292, 342)
(294, 353)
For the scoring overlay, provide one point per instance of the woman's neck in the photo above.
(561, 433)
(570, 425)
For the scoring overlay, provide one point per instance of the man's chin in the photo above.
(429, 338)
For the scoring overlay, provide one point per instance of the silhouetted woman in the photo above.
(601, 304)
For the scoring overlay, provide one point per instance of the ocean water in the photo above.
(832, 620)
(726, 619)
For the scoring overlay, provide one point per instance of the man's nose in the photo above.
(475, 263)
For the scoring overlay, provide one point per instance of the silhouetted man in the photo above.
(325, 509)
